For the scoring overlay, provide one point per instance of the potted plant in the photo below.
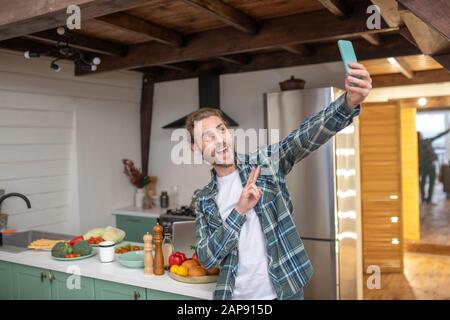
(137, 179)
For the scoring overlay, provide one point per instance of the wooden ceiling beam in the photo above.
(420, 77)
(301, 49)
(434, 13)
(22, 17)
(393, 45)
(389, 12)
(443, 59)
(23, 45)
(402, 66)
(236, 59)
(336, 7)
(182, 66)
(274, 33)
(80, 41)
(143, 27)
(405, 33)
(427, 38)
(372, 38)
(226, 14)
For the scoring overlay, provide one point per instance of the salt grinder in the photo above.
(148, 254)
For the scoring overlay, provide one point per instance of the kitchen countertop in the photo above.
(112, 271)
(139, 212)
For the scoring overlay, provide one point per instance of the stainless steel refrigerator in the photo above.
(324, 190)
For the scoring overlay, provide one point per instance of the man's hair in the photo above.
(201, 114)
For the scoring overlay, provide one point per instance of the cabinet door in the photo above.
(65, 287)
(6, 285)
(105, 290)
(30, 283)
(161, 295)
(135, 227)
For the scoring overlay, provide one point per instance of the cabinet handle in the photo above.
(51, 277)
(43, 276)
(137, 295)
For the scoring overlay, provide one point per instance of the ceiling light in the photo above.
(55, 67)
(61, 31)
(96, 61)
(422, 101)
(29, 55)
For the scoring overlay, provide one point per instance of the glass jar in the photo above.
(167, 249)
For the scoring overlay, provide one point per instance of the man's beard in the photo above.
(212, 160)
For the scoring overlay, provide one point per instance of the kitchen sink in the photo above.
(19, 241)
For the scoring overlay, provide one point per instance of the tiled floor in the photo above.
(435, 224)
(426, 277)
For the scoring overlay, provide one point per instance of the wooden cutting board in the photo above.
(197, 280)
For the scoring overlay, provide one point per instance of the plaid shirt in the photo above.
(217, 240)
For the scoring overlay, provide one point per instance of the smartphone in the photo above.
(347, 53)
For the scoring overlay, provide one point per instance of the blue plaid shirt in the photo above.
(217, 240)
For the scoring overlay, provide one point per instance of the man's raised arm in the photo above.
(318, 128)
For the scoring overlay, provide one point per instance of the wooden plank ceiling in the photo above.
(176, 39)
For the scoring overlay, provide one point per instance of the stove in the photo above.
(184, 213)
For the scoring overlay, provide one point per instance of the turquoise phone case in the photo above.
(347, 53)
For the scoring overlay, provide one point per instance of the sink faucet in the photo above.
(3, 198)
(15, 194)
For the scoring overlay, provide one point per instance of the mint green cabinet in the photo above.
(6, 283)
(22, 282)
(105, 290)
(30, 283)
(135, 227)
(161, 295)
(70, 287)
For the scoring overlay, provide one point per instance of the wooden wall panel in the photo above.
(380, 180)
(410, 175)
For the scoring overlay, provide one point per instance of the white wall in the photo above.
(105, 109)
(241, 98)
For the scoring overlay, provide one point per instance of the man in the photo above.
(243, 219)
(427, 165)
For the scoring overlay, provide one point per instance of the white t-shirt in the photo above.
(252, 279)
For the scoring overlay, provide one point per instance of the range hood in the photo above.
(209, 97)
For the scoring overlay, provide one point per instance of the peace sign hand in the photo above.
(250, 194)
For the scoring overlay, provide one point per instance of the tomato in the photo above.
(135, 248)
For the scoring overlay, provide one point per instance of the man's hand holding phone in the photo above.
(250, 194)
(357, 84)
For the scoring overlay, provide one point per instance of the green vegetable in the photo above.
(82, 248)
(61, 249)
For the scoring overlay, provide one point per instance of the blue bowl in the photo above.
(132, 259)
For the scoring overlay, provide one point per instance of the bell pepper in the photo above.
(176, 259)
(76, 240)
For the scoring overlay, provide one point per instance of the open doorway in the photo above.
(434, 155)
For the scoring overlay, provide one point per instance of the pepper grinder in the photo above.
(158, 263)
(148, 254)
